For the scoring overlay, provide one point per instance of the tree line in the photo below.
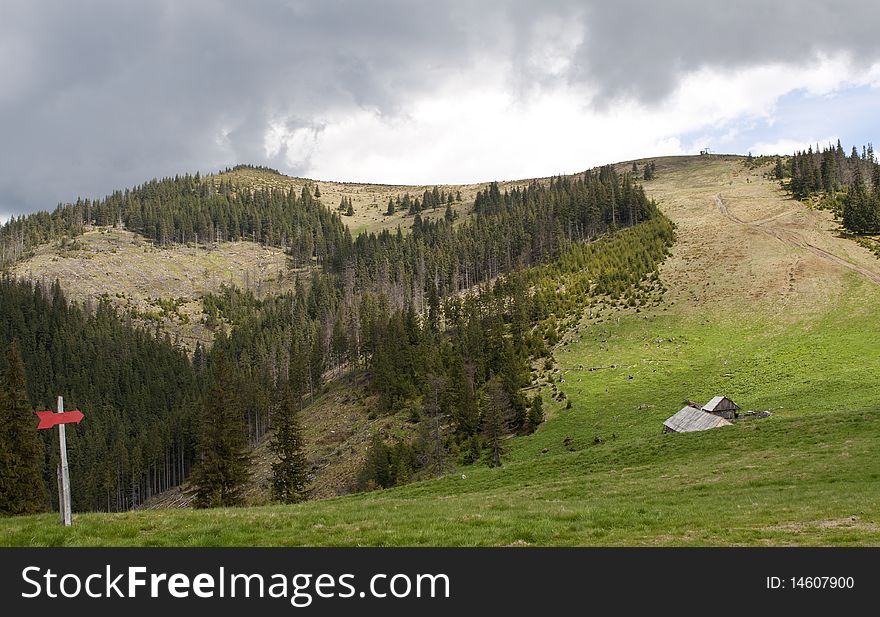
(192, 209)
(847, 185)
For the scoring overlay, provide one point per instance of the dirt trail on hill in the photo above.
(744, 245)
(793, 239)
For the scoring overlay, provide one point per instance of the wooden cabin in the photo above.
(722, 407)
(690, 419)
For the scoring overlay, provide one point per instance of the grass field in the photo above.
(753, 312)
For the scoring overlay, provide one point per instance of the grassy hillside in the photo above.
(765, 304)
(337, 426)
(139, 277)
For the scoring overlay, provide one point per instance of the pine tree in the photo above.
(778, 172)
(22, 490)
(290, 469)
(860, 213)
(432, 438)
(461, 391)
(495, 418)
(535, 414)
(222, 467)
(376, 472)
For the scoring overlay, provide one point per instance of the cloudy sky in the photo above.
(98, 95)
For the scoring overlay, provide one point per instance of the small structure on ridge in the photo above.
(723, 407)
(690, 419)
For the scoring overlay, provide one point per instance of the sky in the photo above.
(99, 95)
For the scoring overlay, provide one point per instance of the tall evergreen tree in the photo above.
(861, 211)
(22, 490)
(495, 418)
(778, 170)
(222, 467)
(289, 469)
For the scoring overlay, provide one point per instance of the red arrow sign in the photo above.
(48, 419)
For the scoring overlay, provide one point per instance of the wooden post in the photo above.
(60, 493)
(64, 488)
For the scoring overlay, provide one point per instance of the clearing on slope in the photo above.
(369, 201)
(743, 240)
(155, 285)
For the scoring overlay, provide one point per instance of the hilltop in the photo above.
(765, 303)
(369, 201)
(139, 274)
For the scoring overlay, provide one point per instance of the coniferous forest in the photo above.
(443, 319)
(135, 387)
(847, 185)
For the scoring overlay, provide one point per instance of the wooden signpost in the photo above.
(49, 419)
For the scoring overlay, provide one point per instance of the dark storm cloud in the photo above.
(104, 94)
(100, 95)
(639, 49)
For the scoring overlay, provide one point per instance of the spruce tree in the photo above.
(535, 414)
(432, 439)
(223, 458)
(22, 490)
(289, 469)
(495, 419)
(376, 472)
(859, 209)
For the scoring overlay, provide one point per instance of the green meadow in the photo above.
(602, 472)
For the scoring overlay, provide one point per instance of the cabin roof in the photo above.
(689, 419)
(711, 405)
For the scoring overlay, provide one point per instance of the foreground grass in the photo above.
(602, 473)
(792, 481)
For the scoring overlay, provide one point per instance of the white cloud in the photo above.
(481, 127)
(787, 146)
(297, 144)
